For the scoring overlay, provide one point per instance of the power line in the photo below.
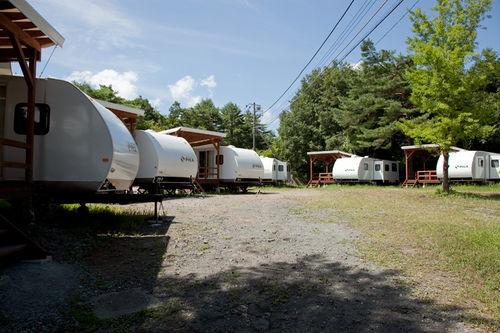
(375, 27)
(399, 21)
(310, 60)
(357, 17)
(352, 49)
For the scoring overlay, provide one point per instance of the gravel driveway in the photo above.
(257, 262)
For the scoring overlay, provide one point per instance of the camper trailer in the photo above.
(385, 172)
(470, 165)
(239, 168)
(353, 169)
(79, 145)
(284, 175)
(166, 162)
(270, 170)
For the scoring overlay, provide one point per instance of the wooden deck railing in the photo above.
(207, 172)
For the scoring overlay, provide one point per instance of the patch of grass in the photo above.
(450, 242)
(79, 317)
(279, 294)
(203, 247)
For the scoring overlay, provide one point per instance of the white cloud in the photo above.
(209, 82)
(357, 66)
(123, 83)
(155, 102)
(103, 24)
(183, 90)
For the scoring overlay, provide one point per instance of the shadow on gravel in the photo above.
(313, 294)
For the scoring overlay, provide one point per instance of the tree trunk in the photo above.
(446, 181)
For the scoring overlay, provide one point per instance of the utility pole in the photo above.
(256, 108)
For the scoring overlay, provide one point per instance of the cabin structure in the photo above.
(23, 35)
(128, 115)
(208, 174)
(327, 157)
(417, 164)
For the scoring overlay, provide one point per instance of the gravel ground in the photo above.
(254, 262)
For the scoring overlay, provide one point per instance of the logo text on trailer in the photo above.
(187, 159)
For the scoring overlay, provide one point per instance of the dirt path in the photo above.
(251, 262)
(255, 262)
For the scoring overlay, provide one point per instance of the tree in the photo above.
(232, 121)
(376, 101)
(443, 86)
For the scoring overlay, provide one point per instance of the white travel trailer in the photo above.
(270, 170)
(79, 145)
(471, 165)
(166, 161)
(386, 172)
(353, 169)
(238, 167)
(284, 174)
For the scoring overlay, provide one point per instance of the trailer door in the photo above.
(480, 168)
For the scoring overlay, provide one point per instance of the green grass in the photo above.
(430, 236)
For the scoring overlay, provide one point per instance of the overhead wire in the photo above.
(398, 21)
(375, 27)
(310, 60)
(357, 17)
(352, 49)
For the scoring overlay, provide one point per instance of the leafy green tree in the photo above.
(485, 75)
(377, 99)
(311, 123)
(443, 85)
(204, 115)
(232, 121)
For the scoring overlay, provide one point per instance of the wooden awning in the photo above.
(328, 156)
(127, 114)
(23, 34)
(196, 137)
(19, 20)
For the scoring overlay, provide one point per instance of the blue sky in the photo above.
(239, 51)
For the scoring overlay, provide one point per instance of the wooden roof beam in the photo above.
(22, 36)
(30, 80)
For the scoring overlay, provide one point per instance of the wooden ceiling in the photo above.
(19, 19)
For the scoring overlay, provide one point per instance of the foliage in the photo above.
(377, 99)
(443, 86)
(229, 119)
(355, 109)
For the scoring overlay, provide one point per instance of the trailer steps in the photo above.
(15, 245)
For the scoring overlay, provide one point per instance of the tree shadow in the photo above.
(313, 294)
(474, 195)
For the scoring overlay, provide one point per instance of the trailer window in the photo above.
(288, 167)
(219, 160)
(394, 167)
(386, 167)
(480, 162)
(494, 163)
(280, 168)
(377, 167)
(365, 166)
(42, 118)
(274, 167)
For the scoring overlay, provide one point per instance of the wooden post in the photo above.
(217, 147)
(30, 119)
(311, 160)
